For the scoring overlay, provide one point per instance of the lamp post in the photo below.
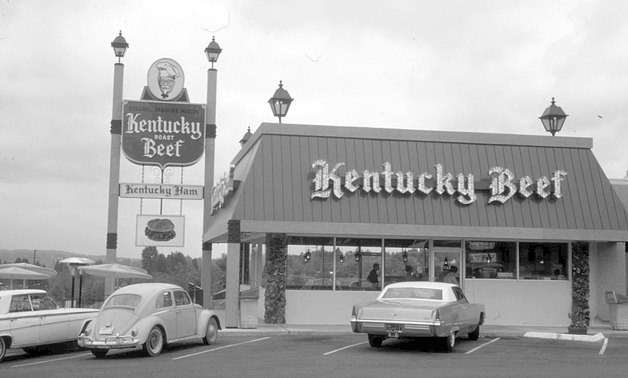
(280, 102)
(119, 45)
(212, 52)
(553, 118)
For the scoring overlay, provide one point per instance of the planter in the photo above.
(577, 330)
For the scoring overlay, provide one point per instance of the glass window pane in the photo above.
(490, 259)
(361, 259)
(42, 302)
(406, 260)
(20, 303)
(163, 300)
(181, 298)
(310, 265)
(543, 261)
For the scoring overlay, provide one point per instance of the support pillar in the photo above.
(114, 172)
(210, 147)
(232, 295)
(275, 296)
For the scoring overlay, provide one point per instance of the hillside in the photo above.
(48, 258)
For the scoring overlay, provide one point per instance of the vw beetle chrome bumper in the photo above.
(110, 342)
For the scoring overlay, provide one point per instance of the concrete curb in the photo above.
(564, 336)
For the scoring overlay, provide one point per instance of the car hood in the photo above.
(120, 320)
(400, 310)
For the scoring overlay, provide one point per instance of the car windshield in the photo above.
(126, 301)
(413, 293)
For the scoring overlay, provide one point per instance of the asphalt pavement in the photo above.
(486, 330)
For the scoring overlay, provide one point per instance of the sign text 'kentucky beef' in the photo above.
(162, 133)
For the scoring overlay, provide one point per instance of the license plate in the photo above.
(106, 330)
(394, 328)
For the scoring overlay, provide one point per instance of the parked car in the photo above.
(31, 320)
(150, 315)
(419, 309)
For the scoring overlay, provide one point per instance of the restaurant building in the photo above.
(501, 213)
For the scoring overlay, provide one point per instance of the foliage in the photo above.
(276, 256)
(580, 313)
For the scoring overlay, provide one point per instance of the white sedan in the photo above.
(149, 315)
(419, 309)
(31, 320)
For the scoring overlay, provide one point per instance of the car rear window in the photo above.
(126, 301)
(413, 293)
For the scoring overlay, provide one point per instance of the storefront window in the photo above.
(489, 259)
(543, 261)
(406, 260)
(359, 264)
(310, 265)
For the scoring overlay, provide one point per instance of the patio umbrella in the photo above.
(17, 273)
(116, 271)
(34, 268)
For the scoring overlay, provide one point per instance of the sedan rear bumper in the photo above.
(111, 342)
(408, 329)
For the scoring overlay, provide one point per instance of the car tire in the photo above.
(375, 341)
(476, 332)
(154, 343)
(99, 353)
(211, 332)
(3, 349)
(449, 342)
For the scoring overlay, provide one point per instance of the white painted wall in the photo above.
(608, 273)
(323, 307)
(523, 302)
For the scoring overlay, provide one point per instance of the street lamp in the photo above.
(213, 51)
(119, 46)
(280, 102)
(553, 118)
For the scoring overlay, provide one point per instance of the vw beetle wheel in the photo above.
(375, 341)
(3, 349)
(155, 342)
(211, 333)
(99, 353)
(449, 342)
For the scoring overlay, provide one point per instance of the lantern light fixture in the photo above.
(119, 45)
(213, 51)
(553, 118)
(280, 102)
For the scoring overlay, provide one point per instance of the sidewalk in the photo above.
(502, 331)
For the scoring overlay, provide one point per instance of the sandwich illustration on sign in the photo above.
(160, 230)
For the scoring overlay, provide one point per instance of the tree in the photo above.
(149, 259)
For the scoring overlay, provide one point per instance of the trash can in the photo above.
(618, 310)
(248, 308)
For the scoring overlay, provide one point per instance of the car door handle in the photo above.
(179, 311)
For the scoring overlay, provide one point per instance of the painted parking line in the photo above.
(222, 347)
(53, 360)
(343, 348)
(481, 346)
(604, 346)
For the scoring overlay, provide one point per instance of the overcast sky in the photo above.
(489, 66)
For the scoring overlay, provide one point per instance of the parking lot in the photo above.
(346, 355)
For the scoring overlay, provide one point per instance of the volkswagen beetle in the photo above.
(150, 316)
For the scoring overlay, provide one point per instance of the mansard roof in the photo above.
(276, 181)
